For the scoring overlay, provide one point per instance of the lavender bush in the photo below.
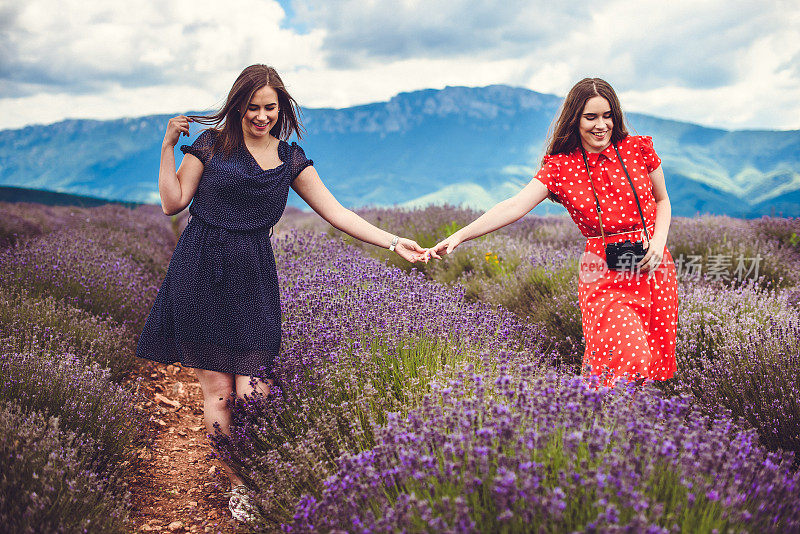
(144, 235)
(26, 220)
(360, 342)
(377, 425)
(426, 226)
(333, 294)
(543, 289)
(494, 256)
(13, 228)
(47, 484)
(84, 399)
(784, 230)
(717, 243)
(713, 245)
(739, 349)
(22, 220)
(71, 432)
(70, 265)
(529, 267)
(47, 325)
(516, 451)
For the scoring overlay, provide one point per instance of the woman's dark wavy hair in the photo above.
(228, 120)
(565, 137)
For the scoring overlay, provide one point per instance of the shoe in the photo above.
(240, 505)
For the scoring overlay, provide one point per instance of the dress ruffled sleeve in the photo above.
(201, 148)
(549, 176)
(651, 159)
(298, 160)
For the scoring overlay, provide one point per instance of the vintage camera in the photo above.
(624, 255)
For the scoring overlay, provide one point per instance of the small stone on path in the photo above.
(166, 401)
(178, 389)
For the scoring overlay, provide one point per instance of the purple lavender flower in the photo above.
(630, 429)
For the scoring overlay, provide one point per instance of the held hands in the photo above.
(175, 127)
(410, 251)
(445, 246)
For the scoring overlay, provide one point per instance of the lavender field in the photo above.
(441, 397)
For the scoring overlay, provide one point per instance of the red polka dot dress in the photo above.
(629, 319)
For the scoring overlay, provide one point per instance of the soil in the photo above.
(178, 488)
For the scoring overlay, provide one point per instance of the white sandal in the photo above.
(240, 505)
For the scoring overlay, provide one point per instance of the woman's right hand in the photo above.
(175, 127)
(446, 245)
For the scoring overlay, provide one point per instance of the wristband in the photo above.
(394, 243)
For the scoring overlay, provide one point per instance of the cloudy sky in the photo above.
(731, 64)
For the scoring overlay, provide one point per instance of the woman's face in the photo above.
(596, 124)
(261, 114)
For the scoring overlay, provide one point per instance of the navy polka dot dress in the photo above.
(219, 307)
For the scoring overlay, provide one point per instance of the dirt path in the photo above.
(179, 489)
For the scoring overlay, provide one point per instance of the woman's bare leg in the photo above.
(217, 388)
(243, 386)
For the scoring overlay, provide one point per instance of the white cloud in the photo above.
(364, 33)
(730, 64)
(89, 46)
(766, 91)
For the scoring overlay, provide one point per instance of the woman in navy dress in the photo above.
(218, 309)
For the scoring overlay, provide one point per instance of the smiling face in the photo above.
(261, 114)
(596, 124)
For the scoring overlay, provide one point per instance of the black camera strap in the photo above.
(597, 200)
(635, 196)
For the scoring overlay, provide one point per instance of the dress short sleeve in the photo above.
(548, 175)
(201, 148)
(651, 159)
(298, 160)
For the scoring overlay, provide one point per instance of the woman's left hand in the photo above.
(654, 255)
(409, 250)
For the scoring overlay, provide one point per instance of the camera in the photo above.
(624, 255)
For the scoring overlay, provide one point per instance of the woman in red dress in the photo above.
(629, 311)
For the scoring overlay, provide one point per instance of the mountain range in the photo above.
(460, 145)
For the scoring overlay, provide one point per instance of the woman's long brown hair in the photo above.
(565, 136)
(228, 120)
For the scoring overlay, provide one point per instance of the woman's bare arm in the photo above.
(655, 253)
(311, 189)
(502, 214)
(177, 188)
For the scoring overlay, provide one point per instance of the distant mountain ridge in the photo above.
(458, 145)
(52, 198)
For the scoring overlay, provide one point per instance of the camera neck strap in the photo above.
(597, 200)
